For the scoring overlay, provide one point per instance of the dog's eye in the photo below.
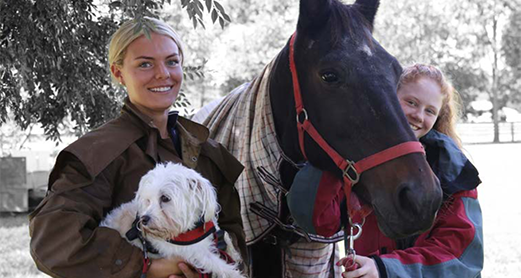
(165, 199)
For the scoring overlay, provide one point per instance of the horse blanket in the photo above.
(243, 122)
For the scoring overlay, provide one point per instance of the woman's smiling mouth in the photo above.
(160, 89)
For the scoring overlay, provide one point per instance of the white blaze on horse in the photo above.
(329, 100)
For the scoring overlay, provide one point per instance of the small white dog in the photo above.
(175, 210)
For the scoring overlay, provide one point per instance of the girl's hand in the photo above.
(366, 268)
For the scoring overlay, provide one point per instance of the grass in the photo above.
(499, 193)
(15, 260)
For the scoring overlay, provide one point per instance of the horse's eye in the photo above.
(329, 77)
(165, 199)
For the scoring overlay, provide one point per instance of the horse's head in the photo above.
(348, 85)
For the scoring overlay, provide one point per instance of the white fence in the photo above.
(484, 132)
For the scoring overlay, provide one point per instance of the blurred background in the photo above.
(55, 86)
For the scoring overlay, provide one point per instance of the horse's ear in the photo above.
(368, 8)
(313, 14)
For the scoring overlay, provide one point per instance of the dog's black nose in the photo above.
(145, 219)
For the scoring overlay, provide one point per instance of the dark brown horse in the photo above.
(348, 83)
(348, 87)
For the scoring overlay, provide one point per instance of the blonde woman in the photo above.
(101, 170)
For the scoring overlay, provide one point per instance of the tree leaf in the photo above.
(198, 11)
(221, 22)
(214, 15)
(208, 5)
(219, 7)
(115, 5)
(190, 11)
(226, 17)
(201, 22)
(199, 5)
(151, 4)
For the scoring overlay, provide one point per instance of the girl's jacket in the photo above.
(453, 247)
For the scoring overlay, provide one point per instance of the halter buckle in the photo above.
(303, 111)
(351, 169)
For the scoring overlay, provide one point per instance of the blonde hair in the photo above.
(450, 108)
(133, 29)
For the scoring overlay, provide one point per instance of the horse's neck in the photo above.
(283, 107)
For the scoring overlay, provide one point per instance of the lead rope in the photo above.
(146, 259)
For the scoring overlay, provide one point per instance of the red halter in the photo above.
(351, 170)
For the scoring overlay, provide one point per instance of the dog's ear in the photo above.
(208, 196)
(143, 182)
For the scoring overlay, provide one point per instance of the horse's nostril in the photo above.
(405, 199)
(410, 200)
(145, 219)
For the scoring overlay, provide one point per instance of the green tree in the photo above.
(481, 23)
(462, 37)
(426, 32)
(52, 64)
(265, 27)
(53, 59)
(237, 53)
(511, 49)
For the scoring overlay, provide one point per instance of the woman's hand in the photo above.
(188, 272)
(164, 267)
(366, 268)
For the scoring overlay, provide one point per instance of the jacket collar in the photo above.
(192, 134)
(197, 133)
(98, 148)
(453, 169)
(132, 110)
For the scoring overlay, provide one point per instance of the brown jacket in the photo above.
(100, 171)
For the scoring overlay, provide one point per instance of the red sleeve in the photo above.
(450, 236)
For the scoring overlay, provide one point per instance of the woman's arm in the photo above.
(66, 240)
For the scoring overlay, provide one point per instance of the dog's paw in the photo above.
(230, 249)
(121, 218)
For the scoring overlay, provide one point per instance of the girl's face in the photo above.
(421, 102)
(152, 73)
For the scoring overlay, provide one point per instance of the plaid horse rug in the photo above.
(243, 122)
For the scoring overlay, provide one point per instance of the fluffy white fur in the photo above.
(175, 197)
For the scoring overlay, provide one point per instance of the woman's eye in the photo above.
(329, 77)
(145, 65)
(172, 63)
(165, 199)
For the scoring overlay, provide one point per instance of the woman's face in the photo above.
(152, 73)
(421, 102)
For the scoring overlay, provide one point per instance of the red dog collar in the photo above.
(201, 231)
